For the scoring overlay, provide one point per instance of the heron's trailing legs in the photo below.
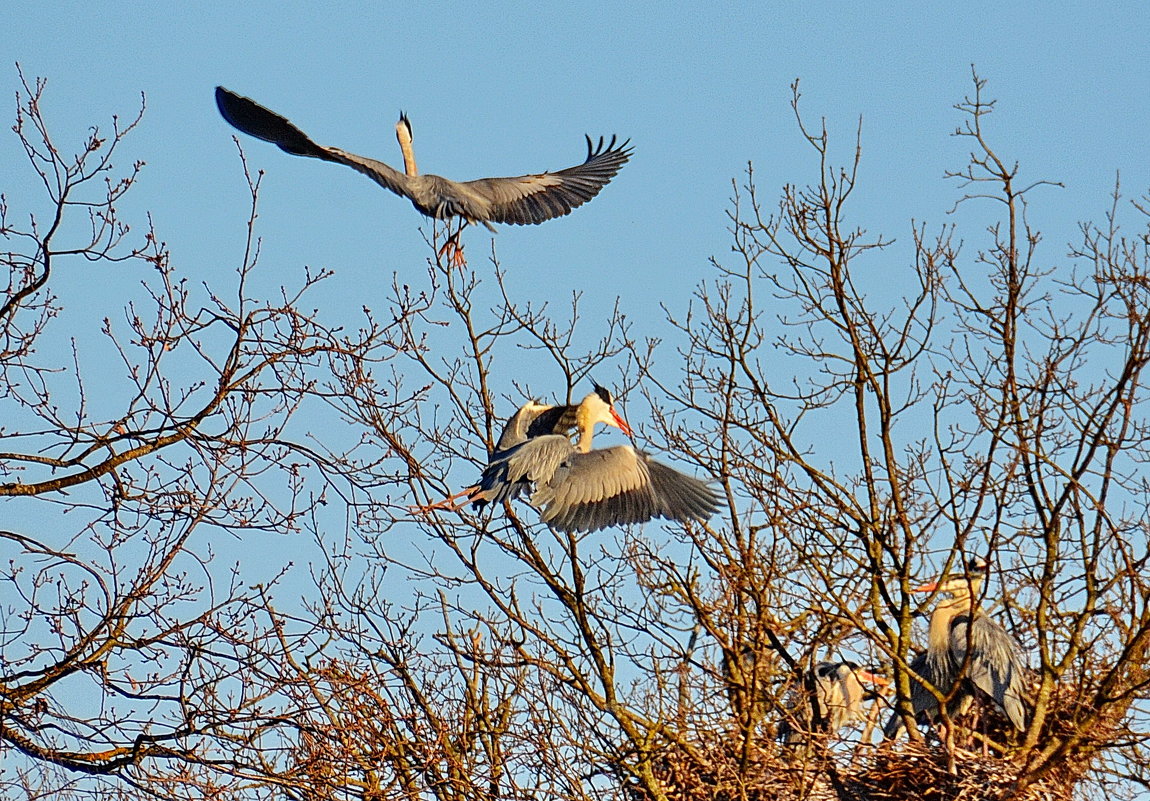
(465, 496)
(453, 248)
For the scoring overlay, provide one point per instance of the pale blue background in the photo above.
(506, 88)
(510, 88)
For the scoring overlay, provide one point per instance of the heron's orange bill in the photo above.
(873, 678)
(927, 587)
(619, 421)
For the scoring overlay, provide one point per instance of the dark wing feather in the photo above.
(248, 116)
(535, 420)
(530, 199)
(922, 701)
(616, 486)
(556, 420)
(994, 666)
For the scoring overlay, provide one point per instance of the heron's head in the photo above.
(841, 671)
(599, 407)
(403, 129)
(962, 586)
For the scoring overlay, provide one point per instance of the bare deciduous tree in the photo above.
(876, 412)
(125, 644)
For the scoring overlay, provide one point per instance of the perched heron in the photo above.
(580, 489)
(832, 695)
(524, 200)
(992, 668)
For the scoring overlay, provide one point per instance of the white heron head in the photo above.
(962, 586)
(403, 130)
(599, 407)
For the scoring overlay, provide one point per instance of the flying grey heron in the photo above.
(523, 200)
(533, 419)
(831, 696)
(992, 668)
(580, 489)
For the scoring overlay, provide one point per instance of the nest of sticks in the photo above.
(915, 772)
(720, 767)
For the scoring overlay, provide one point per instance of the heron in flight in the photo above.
(968, 655)
(524, 200)
(577, 488)
(832, 695)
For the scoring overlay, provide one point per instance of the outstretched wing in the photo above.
(530, 199)
(994, 666)
(250, 117)
(616, 486)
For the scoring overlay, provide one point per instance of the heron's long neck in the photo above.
(586, 433)
(940, 619)
(941, 647)
(408, 157)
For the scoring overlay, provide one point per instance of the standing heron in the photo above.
(523, 200)
(580, 489)
(968, 656)
(832, 695)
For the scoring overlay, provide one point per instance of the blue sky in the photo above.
(509, 88)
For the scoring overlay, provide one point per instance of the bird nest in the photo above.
(912, 772)
(930, 773)
(723, 770)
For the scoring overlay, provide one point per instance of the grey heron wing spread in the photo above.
(616, 486)
(383, 174)
(994, 666)
(523, 200)
(531, 199)
(248, 116)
